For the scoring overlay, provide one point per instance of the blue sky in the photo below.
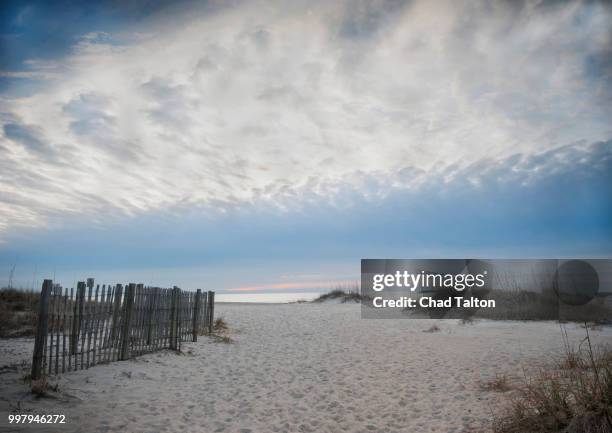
(269, 146)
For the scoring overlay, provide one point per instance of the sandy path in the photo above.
(298, 368)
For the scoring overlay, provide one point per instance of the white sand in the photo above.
(297, 368)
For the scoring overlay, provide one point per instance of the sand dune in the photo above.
(297, 368)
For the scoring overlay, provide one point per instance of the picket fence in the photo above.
(80, 328)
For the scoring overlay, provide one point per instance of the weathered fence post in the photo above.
(41, 330)
(174, 318)
(77, 317)
(196, 314)
(128, 305)
(211, 310)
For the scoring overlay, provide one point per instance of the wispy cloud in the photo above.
(278, 102)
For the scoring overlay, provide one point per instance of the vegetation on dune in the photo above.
(222, 339)
(572, 396)
(18, 312)
(352, 294)
(220, 330)
(219, 325)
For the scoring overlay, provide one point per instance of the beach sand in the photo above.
(297, 368)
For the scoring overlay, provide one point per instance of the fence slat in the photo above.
(196, 314)
(64, 330)
(209, 315)
(51, 322)
(41, 330)
(136, 321)
(58, 318)
(81, 326)
(127, 321)
(108, 323)
(174, 318)
(70, 339)
(110, 298)
(140, 340)
(99, 296)
(117, 316)
(87, 322)
(204, 320)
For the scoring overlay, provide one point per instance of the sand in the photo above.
(296, 368)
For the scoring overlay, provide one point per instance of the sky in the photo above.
(268, 146)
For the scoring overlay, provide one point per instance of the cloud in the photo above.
(514, 208)
(282, 104)
(30, 137)
(364, 19)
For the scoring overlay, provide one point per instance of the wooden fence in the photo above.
(87, 326)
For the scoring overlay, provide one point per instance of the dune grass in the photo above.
(18, 312)
(574, 395)
(342, 294)
(219, 325)
(222, 339)
(220, 331)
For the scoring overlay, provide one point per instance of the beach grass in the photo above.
(342, 295)
(18, 312)
(573, 395)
